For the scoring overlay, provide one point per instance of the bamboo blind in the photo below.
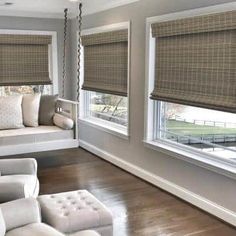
(196, 61)
(24, 59)
(106, 62)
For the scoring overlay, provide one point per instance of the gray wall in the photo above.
(213, 186)
(21, 23)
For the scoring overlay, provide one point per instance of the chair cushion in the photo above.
(74, 211)
(20, 212)
(2, 225)
(11, 112)
(29, 181)
(37, 229)
(85, 233)
(47, 109)
(30, 109)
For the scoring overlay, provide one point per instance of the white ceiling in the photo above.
(54, 8)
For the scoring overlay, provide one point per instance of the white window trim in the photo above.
(108, 127)
(198, 158)
(53, 65)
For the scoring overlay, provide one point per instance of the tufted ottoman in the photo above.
(74, 211)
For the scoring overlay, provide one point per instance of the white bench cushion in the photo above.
(34, 135)
(70, 212)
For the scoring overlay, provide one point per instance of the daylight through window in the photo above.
(202, 129)
(106, 107)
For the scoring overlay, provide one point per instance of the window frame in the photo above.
(109, 127)
(180, 151)
(53, 53)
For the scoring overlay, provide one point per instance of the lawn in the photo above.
(184, 128)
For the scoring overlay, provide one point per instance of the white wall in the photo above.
(213, 187)
(37, 24)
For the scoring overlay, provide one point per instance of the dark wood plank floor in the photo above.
(139, 208)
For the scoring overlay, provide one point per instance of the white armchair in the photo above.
(18, 179)
(23, 218)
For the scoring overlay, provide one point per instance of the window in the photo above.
(105, 63)
(30, 62)
(109, 108)
(210, 131)
(27, 89)
(190, 101)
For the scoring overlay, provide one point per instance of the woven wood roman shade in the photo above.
(196, 61)
(24, 59)
(106, 62)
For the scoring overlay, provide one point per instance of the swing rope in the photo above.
(64, 75)
(79, 49)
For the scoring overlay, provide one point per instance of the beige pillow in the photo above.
(11, 112)
(30, 108)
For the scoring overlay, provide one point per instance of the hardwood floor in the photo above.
(139, 208)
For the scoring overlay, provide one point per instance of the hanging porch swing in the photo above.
(63, 132)
(65, 106)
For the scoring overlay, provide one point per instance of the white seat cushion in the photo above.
(34, 135)
(37, 229)
(74, 211)
(29, 181)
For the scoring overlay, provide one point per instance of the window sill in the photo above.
(108, 128)
(217, 165)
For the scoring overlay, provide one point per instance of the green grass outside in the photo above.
(184, 128)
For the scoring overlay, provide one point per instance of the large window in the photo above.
(109, 109)
(105, 87)
(30, 62)
(190, 105)
(210, 131)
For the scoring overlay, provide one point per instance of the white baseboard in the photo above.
(38, 147)
(211, 207)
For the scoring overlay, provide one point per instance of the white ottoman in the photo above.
(74, 211)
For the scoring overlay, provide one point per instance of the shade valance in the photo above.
(105, 38)
(196, 61)
(25, 39)
(106, 62)
(24, 59)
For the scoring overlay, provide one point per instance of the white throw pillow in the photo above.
(30, 107)
(11, 112)
(63, 122)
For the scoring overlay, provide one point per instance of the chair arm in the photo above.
(25, 166)
(20, 212)
(13, 191)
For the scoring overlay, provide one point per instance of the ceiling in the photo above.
(54, 8)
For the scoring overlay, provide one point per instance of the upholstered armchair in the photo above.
(18, 179)
(23, 218)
